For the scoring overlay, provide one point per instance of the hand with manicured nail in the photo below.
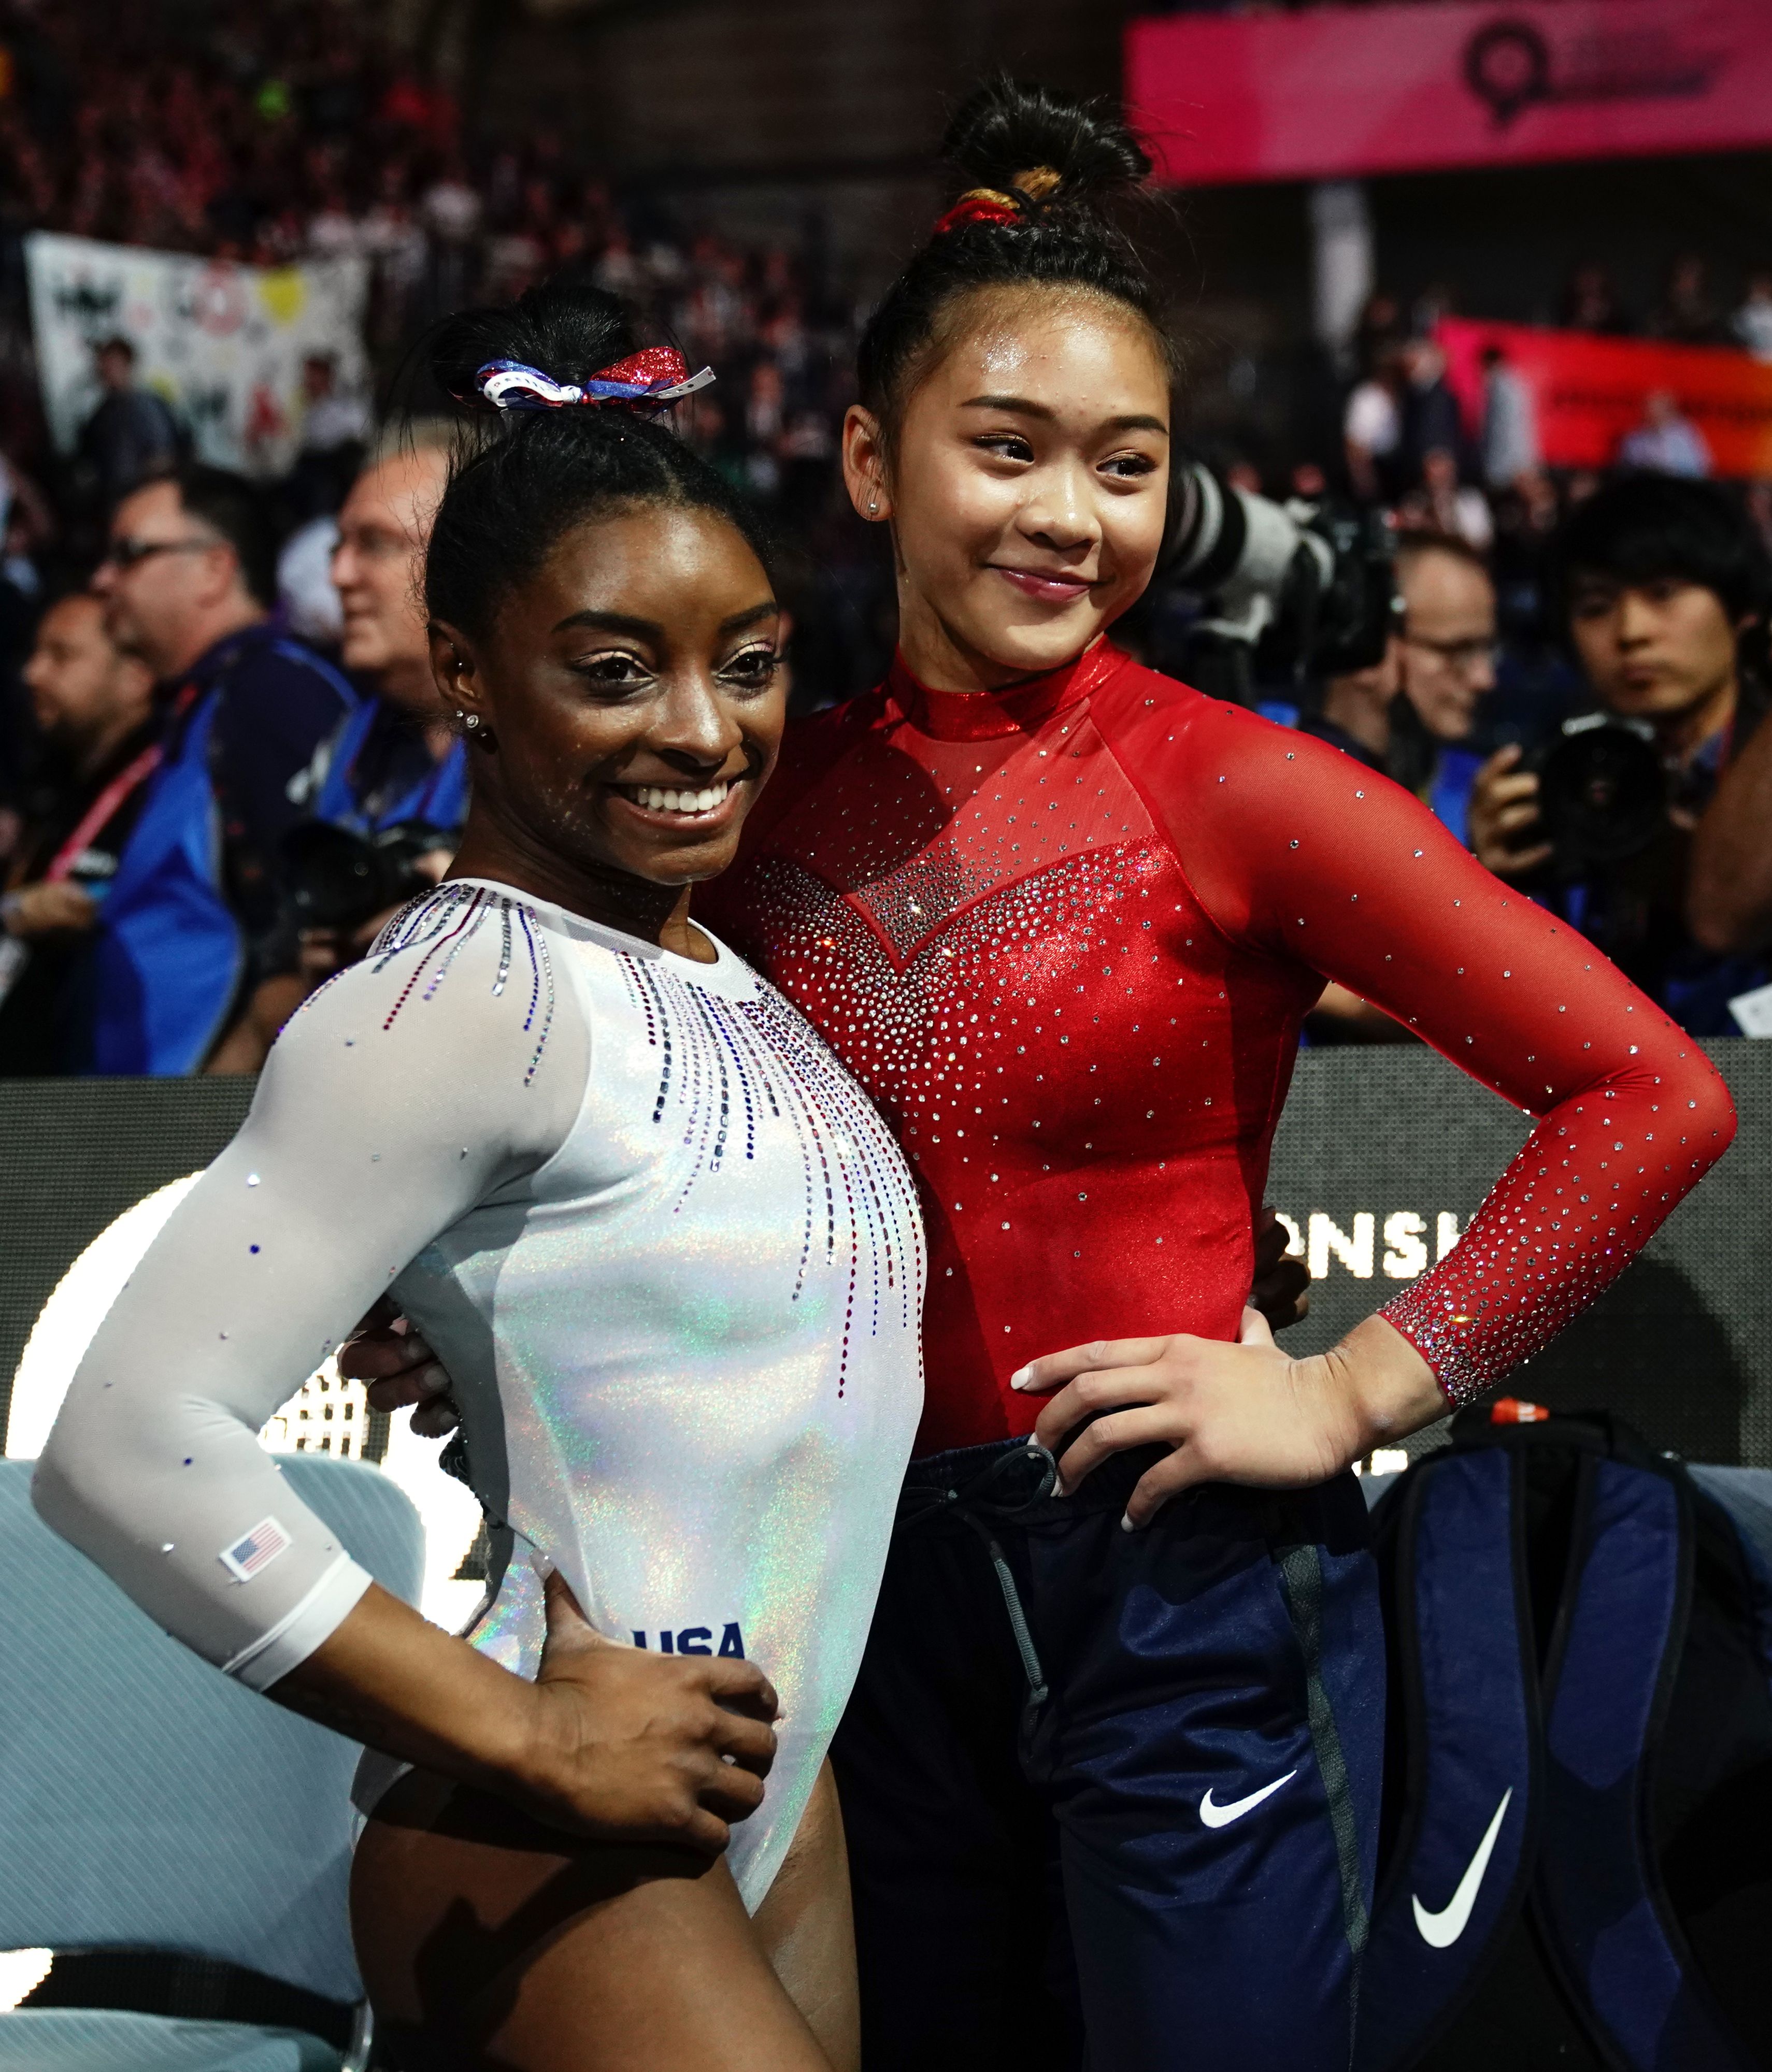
(611, 1741)
(1246, 1413)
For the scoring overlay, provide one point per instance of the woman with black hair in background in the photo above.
(1115, 1747)
(670, 1254)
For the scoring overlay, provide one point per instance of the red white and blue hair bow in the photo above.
(649, 380)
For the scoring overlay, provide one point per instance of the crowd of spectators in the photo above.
(275, 135)
(187, 707)
(1402, 438)
(1579, 666)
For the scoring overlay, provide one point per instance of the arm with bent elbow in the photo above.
(383, 1117)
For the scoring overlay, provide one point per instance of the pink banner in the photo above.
(1341, 91)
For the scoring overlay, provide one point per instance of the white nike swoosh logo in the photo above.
(1221, 1816)
(1440, 1931)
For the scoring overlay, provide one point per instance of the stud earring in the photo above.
(873, 505)
(468, 719)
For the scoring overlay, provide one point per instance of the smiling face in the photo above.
(630, 691)
(1026, 482)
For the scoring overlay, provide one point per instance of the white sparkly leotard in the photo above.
(667, 1251)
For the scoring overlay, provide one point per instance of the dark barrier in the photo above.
(1382, 1157)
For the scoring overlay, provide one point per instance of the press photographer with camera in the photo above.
(1447, 636)
(1411, 714)
(1663, 589)
(387, 793)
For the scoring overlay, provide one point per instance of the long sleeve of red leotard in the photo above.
(1294, 847)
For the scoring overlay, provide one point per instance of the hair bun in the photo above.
(1009, 128)
(567, 330)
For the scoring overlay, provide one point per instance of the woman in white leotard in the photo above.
(672, 1258)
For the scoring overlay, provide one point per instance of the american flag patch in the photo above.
(259, 1546)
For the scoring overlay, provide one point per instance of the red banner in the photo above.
(1591, 393)
(1342, 91)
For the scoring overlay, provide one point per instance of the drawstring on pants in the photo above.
(1037, 1467)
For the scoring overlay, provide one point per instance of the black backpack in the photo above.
(1575, 1859)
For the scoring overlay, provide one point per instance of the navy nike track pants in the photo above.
(1116, 1785)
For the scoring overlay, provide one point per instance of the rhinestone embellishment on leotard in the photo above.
(440, 924)
(725, 1064)
(995, 928)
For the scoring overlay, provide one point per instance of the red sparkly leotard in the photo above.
(1065, 935)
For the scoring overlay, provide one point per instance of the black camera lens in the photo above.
(331, 874)
(1602, 794)
(336, 878)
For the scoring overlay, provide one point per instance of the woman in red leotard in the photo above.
(1112, 1766)
(1111, 1774)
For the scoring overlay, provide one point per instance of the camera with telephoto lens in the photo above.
(1602, 793)
(336, 878)
(1287, 590)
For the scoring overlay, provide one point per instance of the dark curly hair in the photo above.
(520, 479)
(1068, 233)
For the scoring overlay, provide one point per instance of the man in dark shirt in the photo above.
(94, 708)
(1413, 712)
(132, 435)
(1665, 592)
(186, 586)
(1354, 715)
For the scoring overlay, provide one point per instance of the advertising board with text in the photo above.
(1339, 92)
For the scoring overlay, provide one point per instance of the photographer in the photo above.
(1663, 588)
(388, 792)
(1447, 601)
(1410, 714)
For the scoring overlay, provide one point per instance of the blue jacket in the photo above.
(195, 883)
(438, 798)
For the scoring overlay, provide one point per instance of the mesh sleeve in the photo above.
(1302, 851)
(407, 1090)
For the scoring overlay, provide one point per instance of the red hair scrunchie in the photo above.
(982, 205)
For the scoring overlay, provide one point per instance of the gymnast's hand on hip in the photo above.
(641, 1747)
(1246, 1413)
(609, 1741)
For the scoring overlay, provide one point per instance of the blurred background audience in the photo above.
(291, 775)
(1663, 591)
(93, 706)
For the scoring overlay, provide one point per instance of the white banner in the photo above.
(222, 344)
